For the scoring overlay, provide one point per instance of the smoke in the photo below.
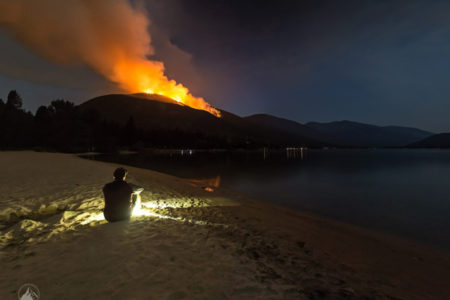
(110, 37)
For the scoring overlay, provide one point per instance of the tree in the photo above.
(43, 128)
(62, 107)
(14, 100)
(42, 114)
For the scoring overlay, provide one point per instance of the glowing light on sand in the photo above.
(145, 209)
(95, 217)
(138, 210)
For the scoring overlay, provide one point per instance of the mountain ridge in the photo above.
(355, 134)
(156, 112)
(440, 140)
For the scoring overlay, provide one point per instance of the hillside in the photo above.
(441, 140)
(285, 125)
(153, 112)
(355, 134)
(157, 113)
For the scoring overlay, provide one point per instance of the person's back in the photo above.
(118, 198)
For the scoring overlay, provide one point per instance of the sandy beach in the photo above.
(189, 242)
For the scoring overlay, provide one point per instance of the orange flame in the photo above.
(148, 77)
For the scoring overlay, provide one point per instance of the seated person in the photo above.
(120, 197)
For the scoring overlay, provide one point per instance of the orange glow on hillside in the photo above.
(148, 77)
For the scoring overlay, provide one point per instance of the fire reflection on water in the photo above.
(208, 184)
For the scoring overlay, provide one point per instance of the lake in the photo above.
(400, 192)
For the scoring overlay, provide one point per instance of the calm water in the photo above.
(401, 192)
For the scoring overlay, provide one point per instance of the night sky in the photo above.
(378, 62)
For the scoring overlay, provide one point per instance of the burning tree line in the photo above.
(62, 126)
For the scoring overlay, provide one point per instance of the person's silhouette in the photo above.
(119, 200)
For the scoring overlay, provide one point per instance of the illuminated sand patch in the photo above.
(138, 212)
(48, 222)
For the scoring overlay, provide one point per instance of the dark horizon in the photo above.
(375, 62)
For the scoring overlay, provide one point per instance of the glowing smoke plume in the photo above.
(111, 37)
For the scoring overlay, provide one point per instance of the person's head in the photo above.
(120, 174)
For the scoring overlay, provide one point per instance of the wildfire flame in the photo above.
(148, 77)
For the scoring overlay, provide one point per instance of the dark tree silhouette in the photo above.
(62, 107)
(14, 100)
(15, 123)
(43, 114)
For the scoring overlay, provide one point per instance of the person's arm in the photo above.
(135, 188)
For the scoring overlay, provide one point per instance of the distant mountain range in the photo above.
(441, 140)
(363, 135)
(155, 112)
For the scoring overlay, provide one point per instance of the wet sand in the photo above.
(189, 243)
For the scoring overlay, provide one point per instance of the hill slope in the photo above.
(284, 125)
(441, 140)
(364, 135)
(154, 112)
